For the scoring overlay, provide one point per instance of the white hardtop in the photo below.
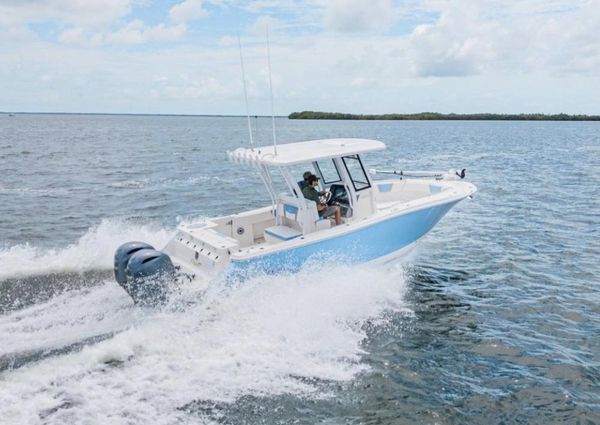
(302, 152)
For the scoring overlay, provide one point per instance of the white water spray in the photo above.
(258, 338)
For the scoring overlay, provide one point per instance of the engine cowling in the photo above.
(122, 256)
(146, 274)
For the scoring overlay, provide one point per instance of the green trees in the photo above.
(317, 115)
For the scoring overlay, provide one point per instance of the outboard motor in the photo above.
(122, 256)
(147, 274)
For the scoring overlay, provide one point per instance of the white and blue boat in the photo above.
(381, 221)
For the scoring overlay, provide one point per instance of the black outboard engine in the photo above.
(145, 273)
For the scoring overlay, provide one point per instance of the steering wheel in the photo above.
(326, 197)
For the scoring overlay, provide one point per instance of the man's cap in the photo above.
(313, 178)
(306, 175)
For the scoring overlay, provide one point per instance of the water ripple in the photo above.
(496, 317)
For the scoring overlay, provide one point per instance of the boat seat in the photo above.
(321, 223)
(281, 233)
(288, 209)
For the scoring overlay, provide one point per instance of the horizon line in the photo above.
(137, 114)
(293, 115)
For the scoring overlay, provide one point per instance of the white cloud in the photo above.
(136, 32)
(75, 35)
(257, 6)
(259, 27)
(93, 23)
(186, 11)
(566, 42)
(358, 15)
(458, 43)
(81, 13)
(228, 40)
(204, 88)
(362, 82)
(501, 36)
(91, 13)
(462, 56)
(16, 33)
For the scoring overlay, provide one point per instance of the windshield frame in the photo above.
(318, 168)
(363, 184)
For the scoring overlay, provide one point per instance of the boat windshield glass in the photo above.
(328, 171)
(357, 172)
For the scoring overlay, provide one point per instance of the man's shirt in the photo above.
(311, 193)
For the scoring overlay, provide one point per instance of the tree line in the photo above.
(317, 115)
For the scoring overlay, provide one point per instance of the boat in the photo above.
(381, 220)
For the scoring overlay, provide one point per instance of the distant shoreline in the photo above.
(318, 115)
(435, 116)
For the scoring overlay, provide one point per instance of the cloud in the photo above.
(567, 42)
(187, 11)
(259, 27)
(79, 13)
(75, 35)
(457, 44)
(258, 6)
(135, 32)
(203, 88)
(16, 17)
(16, 34)
(358, 15)
(471, 38)
(458, 55)
(93, 23)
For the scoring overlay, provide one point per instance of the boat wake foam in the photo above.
(93, 251)
(271, 335)
(62, 323)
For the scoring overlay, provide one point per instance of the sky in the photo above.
(358, 56)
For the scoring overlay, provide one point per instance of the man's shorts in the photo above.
(330, 210)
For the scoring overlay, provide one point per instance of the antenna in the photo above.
(271, 90)
(245, 93)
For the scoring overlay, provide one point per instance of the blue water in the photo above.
(494, 319)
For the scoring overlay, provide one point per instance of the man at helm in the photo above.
(310, 192)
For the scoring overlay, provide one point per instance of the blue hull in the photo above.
(359, 246)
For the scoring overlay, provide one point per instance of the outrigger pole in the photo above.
(271, 90)
(245, 93)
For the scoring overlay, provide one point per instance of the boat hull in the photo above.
(387, 239)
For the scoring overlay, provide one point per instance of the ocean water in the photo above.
(495, 318)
